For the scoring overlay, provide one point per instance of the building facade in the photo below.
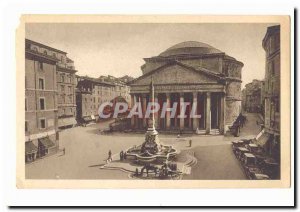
(92, 92)
(252, 100)
(271, 45)
(41, 112)
(66, 85)
(191, 72)
(120, 87)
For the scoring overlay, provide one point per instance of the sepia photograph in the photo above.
(136, 102)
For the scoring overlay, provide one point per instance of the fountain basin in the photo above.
(166, 153)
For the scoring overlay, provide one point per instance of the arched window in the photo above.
(54, 55)
(45, 52)
(35, 49)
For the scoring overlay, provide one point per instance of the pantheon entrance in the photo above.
(208, 105)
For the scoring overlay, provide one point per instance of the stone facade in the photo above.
(92, 92)
(194, 72)
(271, 45)
(253, 100)
(66, 84)
(41, 133)
(120, 88)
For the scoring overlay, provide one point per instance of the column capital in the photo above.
(195, 94)
(208, 94)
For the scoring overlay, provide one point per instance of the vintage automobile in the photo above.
(240, 151)
(257, 176)
(257, 152)
(120, 124)
(272, 168)
(239, 143)
(252, 170)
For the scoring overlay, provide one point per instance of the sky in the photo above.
(118, 49)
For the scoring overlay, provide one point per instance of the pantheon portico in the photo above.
(191, 72)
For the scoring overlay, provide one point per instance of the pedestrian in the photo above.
(121, 155)
(109, 156)
(190, 142)
(64, 150)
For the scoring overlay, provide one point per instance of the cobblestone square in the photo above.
(86, 151)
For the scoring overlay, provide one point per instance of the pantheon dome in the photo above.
(192, 71)
(190, 48)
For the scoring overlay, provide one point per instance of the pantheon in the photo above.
(192, 72)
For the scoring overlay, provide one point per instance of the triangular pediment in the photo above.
(176, 74)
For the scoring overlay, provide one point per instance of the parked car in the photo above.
(240, 151)
(258, 152)
(272, 168)
(252, 170)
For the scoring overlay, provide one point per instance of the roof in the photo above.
(95, 80)
(190, 48)
(44, 46)
(180, 63)
(270, 31)
(249, 155)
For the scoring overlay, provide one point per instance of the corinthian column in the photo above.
(133, 102)
(195, 106)
(168, 119)
(181, 105)
(208, 115)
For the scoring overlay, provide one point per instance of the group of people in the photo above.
(122, 155)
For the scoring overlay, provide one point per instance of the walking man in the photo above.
(190, 142)
(109, 156)
(64, 150)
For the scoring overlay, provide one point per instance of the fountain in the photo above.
(151, 151)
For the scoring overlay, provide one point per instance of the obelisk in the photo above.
(151, 144)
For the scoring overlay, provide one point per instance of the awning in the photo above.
(46, 142)
(30, 148)
(263, 139)
(66, 122)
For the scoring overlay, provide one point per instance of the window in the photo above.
(41, 66)
(62, 88)
(62, 78)
(41, 84)
(42, 104)
(42, 123)
(54, 55)
(35, 49)
(45, 52)
(25, 104)
(70, 99)
(62, 59)
(26, 126)
(69, 89)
